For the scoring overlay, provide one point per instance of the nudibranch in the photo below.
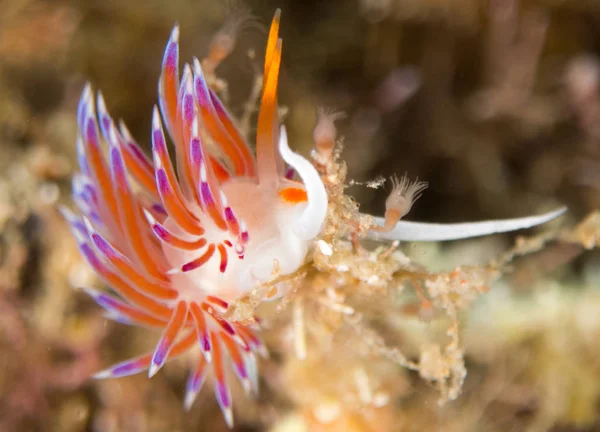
(177, 246)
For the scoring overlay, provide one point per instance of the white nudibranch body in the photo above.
(432, 232)
(178, 244)
(283, 219)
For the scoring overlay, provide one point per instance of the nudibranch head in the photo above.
(177, 246)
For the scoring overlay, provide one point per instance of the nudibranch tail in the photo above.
(419, 231)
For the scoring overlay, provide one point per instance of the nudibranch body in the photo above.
(177, 246)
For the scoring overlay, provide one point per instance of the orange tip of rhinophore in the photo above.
(272, 41)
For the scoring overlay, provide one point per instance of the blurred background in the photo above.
(495, 103)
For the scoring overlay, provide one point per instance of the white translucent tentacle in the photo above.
(312, 219)
(419, 231)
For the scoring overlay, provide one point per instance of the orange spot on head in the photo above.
(293, 195)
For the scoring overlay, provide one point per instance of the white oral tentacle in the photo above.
(312, 219)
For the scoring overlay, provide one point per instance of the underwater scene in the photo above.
(299, 215)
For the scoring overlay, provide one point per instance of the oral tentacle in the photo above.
(311, 221)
